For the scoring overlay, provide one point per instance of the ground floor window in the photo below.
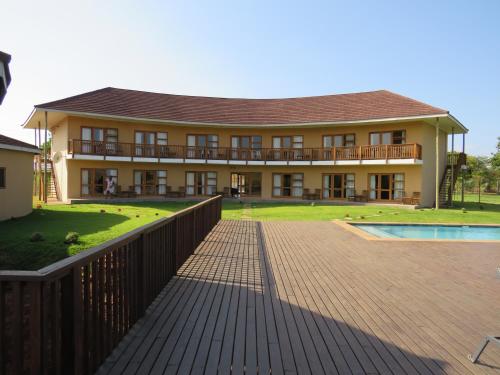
(288, 185)
(338, 185)
(246, 184)
(386, 186)
(150, 182)
(96, 181)
(201, 183)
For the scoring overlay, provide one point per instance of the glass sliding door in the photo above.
(201, 183)
(338, 186)
(288, 185)
(386, 186)
(246, 184)
(93, 180)
(150, 182)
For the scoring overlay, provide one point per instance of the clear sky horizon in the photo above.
(444, 53)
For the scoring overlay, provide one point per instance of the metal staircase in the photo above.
(454, 163)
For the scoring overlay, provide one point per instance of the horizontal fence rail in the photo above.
(68, 317)
(403, 151)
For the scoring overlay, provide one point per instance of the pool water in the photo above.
(444, 232)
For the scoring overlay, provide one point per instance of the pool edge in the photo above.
(370, 237)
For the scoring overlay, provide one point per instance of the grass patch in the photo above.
(473, 214)
(95, 224)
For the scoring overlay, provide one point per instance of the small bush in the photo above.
(379, 211)
(71, 237)
(136, 215)
(346, 215)
(361, 217)
(36, 237)
(481, 207)
(157, 214)
(119, 210)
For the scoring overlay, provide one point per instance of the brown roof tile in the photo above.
(317, 109)
(4, 140)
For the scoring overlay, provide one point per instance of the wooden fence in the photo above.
(67, 318)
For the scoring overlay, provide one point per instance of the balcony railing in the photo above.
(375, 152)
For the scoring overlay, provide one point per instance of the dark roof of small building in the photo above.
(372, 105)
(11, 143)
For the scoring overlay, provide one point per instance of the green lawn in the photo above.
(485, 198)
(95, 227)
(489, 214)
(55, 221)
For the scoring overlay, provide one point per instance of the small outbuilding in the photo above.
(16, 177)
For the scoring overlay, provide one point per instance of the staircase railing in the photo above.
(454, 162)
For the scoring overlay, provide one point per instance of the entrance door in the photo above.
(246, 184)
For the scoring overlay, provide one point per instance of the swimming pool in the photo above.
(443, 232)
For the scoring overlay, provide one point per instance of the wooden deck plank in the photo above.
(313, 298)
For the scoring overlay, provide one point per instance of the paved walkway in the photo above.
(312, 298)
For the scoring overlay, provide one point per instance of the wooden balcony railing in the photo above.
(404, 151)
(67, 318)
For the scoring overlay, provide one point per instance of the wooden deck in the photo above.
(313, 298)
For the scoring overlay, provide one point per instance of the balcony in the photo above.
(410, 153)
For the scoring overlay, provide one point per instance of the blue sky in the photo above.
(445, 53)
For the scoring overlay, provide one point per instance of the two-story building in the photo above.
(377, 145)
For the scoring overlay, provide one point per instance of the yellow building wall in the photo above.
(313, 136)
(16, 199)
(418, 178)
(176, 174)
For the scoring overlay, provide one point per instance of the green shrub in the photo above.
(36, 237)
(103, 211)
(71, 237)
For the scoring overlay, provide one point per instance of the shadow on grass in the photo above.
(17, 252)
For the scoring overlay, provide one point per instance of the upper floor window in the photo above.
(296, 141)
(201, 146)
(2, 178)
(203, 140)
(396, 137)
(253, 142)
(98, 140)
(339, 140)
(245, 147)
(146, 142)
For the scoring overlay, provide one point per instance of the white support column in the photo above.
(437, 163)
(452, 165)
(45, 179)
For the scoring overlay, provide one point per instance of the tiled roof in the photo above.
(5, 142)
(317, 109)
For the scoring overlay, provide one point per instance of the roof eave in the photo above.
(230, 125)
